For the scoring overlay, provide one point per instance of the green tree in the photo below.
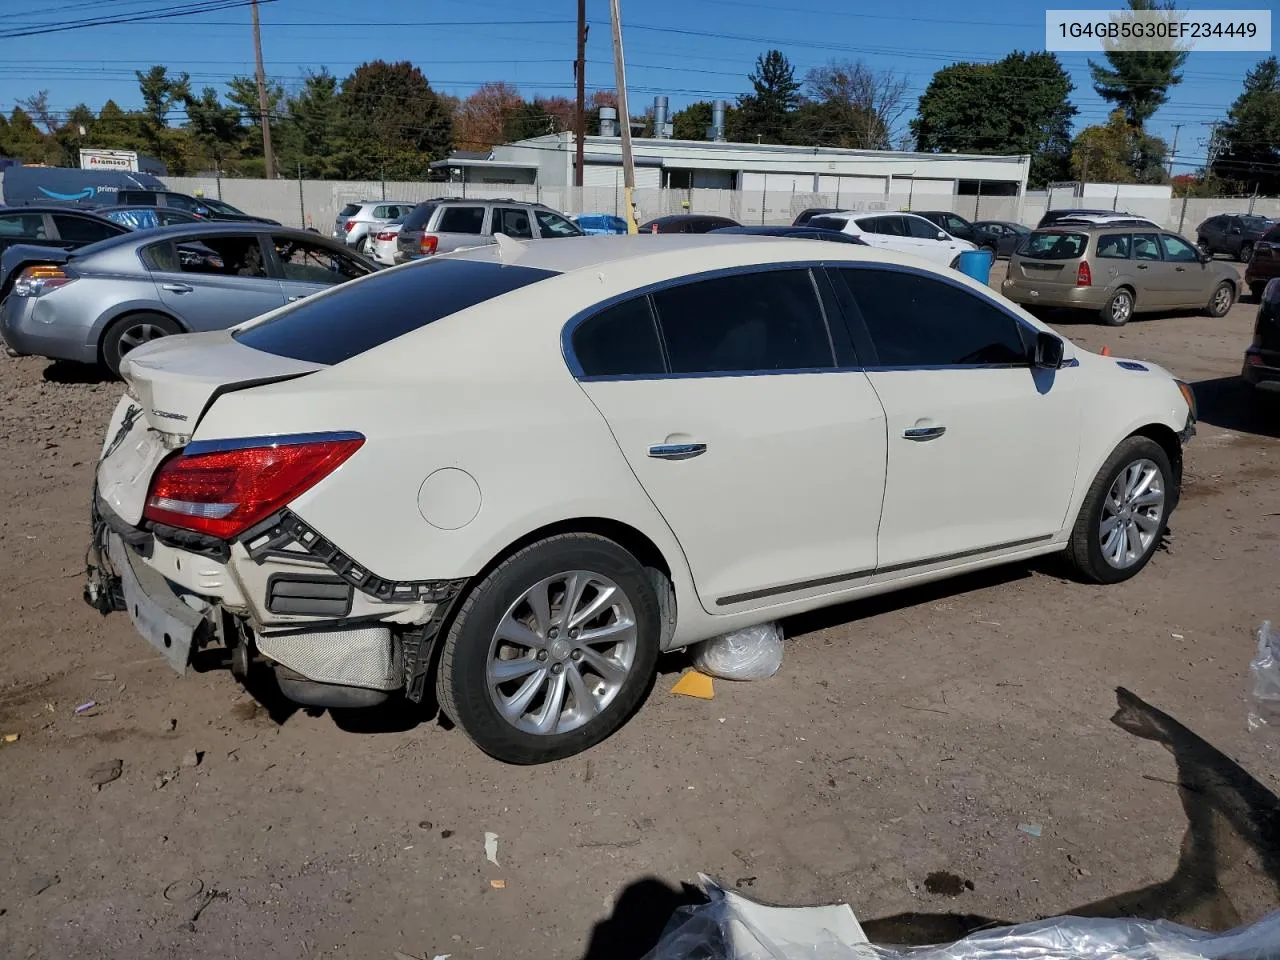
(160, 93)
(1019, 105)
(395, 121)
(117, 130)
(27, 143)
(313, 137)
(1251, 136)
(765, 115)
(69, 137)
(529, 119)
(242, 93)
(1118, 152)
(1138, 81)
(214, 127)
(692, 122)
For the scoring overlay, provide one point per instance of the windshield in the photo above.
(217, 206)
(1053, 245)
(1254, 222)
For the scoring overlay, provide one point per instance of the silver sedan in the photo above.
(95, 304)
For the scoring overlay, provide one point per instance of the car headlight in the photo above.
(1188, 395)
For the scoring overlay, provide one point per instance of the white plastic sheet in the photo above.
(754, 653)
(731, 927)
(1264, 705)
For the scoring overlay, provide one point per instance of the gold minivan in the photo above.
(1117, 270)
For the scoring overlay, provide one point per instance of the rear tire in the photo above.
(1224, 296)
(1119, 309)
(503, 630)
(1085, 549)
(1246, 251)
(132, 331)
(1255, 291)
(1203, 246)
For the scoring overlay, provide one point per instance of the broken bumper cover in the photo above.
(166, 621)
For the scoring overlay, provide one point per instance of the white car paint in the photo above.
(808, 496)
(383, 243)
(933, 243)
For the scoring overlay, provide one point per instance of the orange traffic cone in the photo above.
(1106, 352)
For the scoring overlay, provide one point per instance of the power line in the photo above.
(142, 16)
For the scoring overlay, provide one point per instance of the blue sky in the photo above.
(690, 50)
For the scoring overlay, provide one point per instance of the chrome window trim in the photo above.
(198, 447)
(647, 291)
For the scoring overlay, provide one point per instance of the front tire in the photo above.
(1220, 303)
(1119, 309)
(552, 651)
(133, 331)
(1124, 515)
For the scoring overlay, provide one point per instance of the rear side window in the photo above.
(1116, 246)
(350, 210)
(225, 256)
(341, 325)
(1053, 245)
(29, 226)
(621, 340)
(82, 230)
(753, 322)
(827, 223)
(917, 321)
(461, 220)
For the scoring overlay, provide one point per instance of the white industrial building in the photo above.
(660, 162)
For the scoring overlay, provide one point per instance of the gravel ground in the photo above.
(904, 736)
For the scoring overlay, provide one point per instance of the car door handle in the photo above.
(677, 451)
(297, 296)
(1181, 269)
(920, 434)
(1142, 266)
(177, 287)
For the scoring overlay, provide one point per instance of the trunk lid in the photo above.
(172, 382)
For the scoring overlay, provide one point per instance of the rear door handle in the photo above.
(177, 287)
(920, 434)
(297, 296)
(1142, 266)
(677, 451)
(1181, 269)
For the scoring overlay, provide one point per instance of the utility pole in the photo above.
(263, 106)
(1174, 152)
(580, 118)
(624, 117)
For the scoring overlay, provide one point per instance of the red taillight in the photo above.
(349, 226)
(384, 237)
(428, 244)
(225, 492)
(1084, 278)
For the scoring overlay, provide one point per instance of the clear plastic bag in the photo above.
(754, 653)
(733, 928)
(1264, 705)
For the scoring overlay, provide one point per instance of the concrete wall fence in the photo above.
(315, 203)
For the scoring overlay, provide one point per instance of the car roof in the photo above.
(90, 212)
(1095, 220)
(207, 228)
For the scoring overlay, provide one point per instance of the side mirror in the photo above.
(942, 235)
(1048, 351)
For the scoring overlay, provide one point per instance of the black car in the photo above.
(53, 226)
(145, 218)
(958, 227)
(807, 215)
(803, 233)
(1262, 359)
(1234, 234)
(202, 207)
(687, 223)
(1006, 234)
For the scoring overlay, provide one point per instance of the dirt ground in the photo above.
(904, 736)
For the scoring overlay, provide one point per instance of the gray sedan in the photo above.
(95, 304)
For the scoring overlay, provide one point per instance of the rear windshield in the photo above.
(350, 210)
(420, 215)
(354, 319)
(1053, 245)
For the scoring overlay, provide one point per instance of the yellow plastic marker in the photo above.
(498, 884)
(11, 737)
(695, 684)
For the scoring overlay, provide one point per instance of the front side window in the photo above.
(462, 220)
(753, 322)
(553, 225)
(955, 226)
(621, 340)
(1146, 246)
(188, 204)
(81, 230)
(921, 228)
(1115, 246)
(511, 221)
(1178, 250)
(347, 322)
(308, 262)
(918, 321)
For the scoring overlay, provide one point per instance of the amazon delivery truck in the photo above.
(24, 186)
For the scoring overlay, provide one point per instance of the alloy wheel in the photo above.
(1131, 514)
(1121, 307)
(138, 334)
(561, 653)
(1221, 301)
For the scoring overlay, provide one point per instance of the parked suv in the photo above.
(441, 226)
(1234, 234)
(1262, 359)
(1265, 263)
(1117, 271)
(357, 223)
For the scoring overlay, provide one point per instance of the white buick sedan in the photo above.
(527, 469)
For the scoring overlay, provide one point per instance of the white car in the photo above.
(902, 232)
(532, 467)
(382, 242)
